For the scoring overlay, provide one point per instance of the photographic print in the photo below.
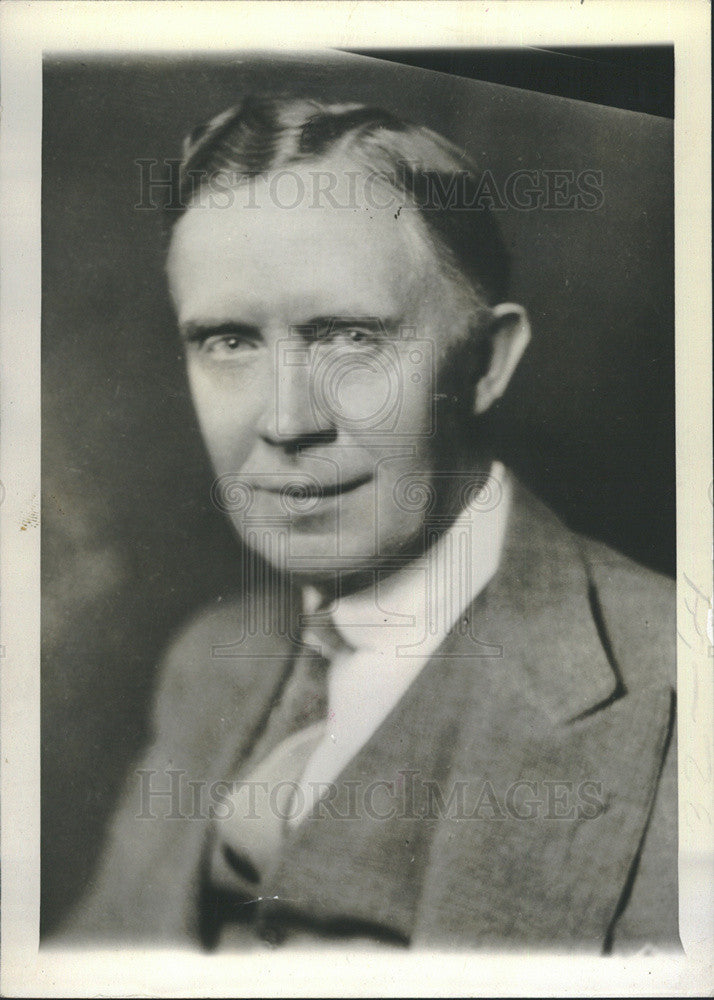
(421, 327)
(363, 616)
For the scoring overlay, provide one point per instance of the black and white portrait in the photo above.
(358, 505)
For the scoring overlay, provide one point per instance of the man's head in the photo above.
(340, 298)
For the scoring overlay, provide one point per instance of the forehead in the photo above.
(300, 240)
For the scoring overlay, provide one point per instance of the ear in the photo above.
(509, 334)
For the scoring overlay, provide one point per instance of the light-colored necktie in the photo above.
(247, 842)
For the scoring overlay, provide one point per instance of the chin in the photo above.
(313, 558)
(315, 552)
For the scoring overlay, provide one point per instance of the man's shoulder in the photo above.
(213, 623)
(233, 626)
(616, 572)
(633, 607)
(218, 651)
(638, 610)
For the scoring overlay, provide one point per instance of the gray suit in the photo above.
(575, 698)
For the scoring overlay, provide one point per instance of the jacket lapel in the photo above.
(560, 762)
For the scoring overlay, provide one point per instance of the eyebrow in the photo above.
(375, 324)
(196, 332)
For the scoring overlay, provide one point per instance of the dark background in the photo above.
(131, 543)
(622, 76)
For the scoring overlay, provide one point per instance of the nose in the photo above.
(292, 418)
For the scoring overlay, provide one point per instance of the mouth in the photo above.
(308, 488)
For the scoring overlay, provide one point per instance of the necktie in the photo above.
(247, 841)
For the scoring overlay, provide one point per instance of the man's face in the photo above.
(314, 336)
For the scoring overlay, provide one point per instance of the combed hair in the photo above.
(266, 134)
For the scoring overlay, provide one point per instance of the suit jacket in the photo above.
(538, 741)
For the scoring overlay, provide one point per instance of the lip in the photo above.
(310, 489)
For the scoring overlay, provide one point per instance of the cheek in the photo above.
(228, 410)
(362, 394)
(417, 410)
(388, 394)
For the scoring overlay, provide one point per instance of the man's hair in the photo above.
(429, 172)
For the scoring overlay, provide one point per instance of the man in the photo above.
(433, 715)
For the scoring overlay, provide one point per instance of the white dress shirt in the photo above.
(390, 630)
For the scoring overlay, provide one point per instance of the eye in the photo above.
(224, 344)
(227, 344)
(355, 337)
